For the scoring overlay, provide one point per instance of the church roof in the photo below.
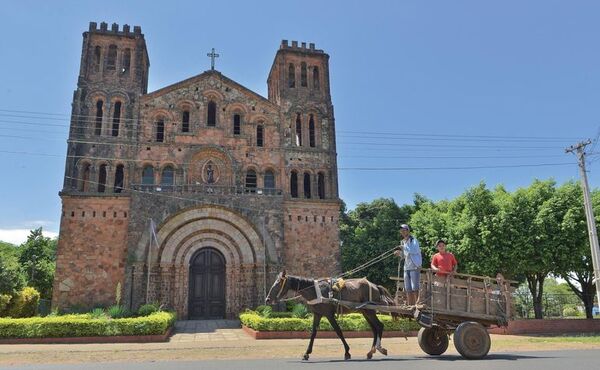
(202, 76)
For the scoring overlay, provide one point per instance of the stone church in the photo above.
(197, 194)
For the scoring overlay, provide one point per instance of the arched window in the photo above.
(269, 181)
(116, 119)
(97, 58)
(147, 177)
(237, 124)
(259, 135)
(185, 121)
(303, 74)
(307, 194)
(102, 179)
(298, 130)
(84, 185)
(111, 60)
(316, 82)
(99, 115)
(160, 130)
(167, 178)
(251, 181)
(291, 75)
(321, 185)
(119, 179)
(311, 132)
(294, 184)
(211, 119)
(126, 61)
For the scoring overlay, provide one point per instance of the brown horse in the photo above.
(353, 290)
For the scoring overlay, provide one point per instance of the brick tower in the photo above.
(91, 251)
(299, 84)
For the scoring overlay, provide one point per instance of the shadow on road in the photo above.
(493, 357)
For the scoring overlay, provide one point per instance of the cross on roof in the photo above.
(212, 56)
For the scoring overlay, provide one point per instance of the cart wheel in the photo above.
(472, 340)
(433, 341)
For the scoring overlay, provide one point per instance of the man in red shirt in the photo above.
(443, 263)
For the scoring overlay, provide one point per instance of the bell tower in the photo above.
(299, 83)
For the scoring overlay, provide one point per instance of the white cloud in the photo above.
(18, 236)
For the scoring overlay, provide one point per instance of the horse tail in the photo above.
(387, 298)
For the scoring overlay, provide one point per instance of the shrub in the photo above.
(4, 301)
(278, 314)
(118, 312)
(264, 311)
(25, 303)
(571, 311)
(84, 326)
(148, 309)
(350, 322)
(300, 311)
(98, 313)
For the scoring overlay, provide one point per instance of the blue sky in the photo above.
(415, 84)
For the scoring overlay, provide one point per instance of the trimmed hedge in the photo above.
(350, 322)
(84, 326)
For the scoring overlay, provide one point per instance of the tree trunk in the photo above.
(536, 287)
(587, 291)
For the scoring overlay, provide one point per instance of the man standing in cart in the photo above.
(411, 252)
(443, 262)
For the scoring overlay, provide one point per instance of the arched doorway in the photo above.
(207, 285)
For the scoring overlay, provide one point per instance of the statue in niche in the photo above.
(210, 173)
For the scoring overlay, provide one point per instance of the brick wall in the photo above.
(557, 326)
(91, 251)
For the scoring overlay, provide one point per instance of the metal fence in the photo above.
(554, 305)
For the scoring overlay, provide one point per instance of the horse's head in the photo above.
(279, 288)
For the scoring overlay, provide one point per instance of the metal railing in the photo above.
(206, 189)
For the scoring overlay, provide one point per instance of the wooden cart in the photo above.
(465, 305)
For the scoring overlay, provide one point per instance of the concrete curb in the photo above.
(321, 334)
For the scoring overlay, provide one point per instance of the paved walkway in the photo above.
(208, 331)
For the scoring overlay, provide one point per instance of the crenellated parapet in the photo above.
(114, 29)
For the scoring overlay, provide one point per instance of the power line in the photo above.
(449, 168)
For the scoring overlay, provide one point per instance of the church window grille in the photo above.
(303, 79)
(291, 75)
(185, 121)
(85, 178)
(316, 82)
(147, 177)
(160, 130)
(294, 184)
(111, 60)
(116, 119)
(119, 177)
(211, 119)
(167, 178)
(102, 179)
(126, 62)
(307, 193)
(99, 114)
(259, 135)
(237, 124)
(321, 185)
(251, 181)
(97, 58)
(298, 130)
(311, 132)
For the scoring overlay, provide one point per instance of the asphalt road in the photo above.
(551, 360)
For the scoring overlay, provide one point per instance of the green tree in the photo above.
(12, 278)
(564, 222)
(368, 231)
(37, 257)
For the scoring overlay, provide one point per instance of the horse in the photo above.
(353, 290)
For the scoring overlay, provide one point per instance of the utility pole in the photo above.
(579, 150)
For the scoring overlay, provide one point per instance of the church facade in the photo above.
(194, 195)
